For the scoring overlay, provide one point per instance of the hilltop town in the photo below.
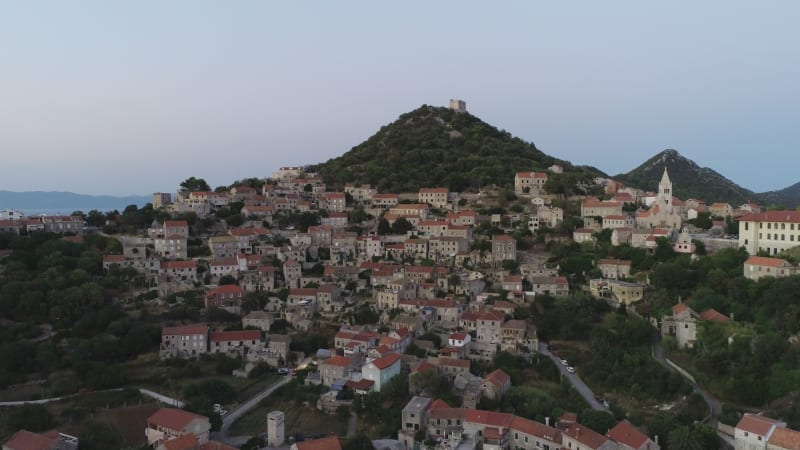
(529, 317)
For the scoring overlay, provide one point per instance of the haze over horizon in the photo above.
(109, 98)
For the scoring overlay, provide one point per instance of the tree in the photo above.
(358, 442)
(30, 417)
(683, 438)
(193, 184)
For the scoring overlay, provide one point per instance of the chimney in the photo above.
(547, 421)
(655, 438)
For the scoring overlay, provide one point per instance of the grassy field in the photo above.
(299, 419)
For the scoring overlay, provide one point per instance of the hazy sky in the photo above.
(133, 97)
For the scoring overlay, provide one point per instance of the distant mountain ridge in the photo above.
(438, 147)
(689, 180)
(67, 202)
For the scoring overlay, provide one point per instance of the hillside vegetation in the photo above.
(437, 147)
(688, 179)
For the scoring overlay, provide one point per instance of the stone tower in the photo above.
(458, 105)
(275, 429)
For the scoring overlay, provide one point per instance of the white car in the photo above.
(570, 369)
(564, 362)
(283, 371)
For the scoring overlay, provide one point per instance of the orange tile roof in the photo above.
(760, 425)
(339, 361)
(327, 443)
(491, 418)
(533, 428)
(242, 335)
(773, 216)
(498, 378)
(173, 418)
(712, 315)
(766, 262)
(386, 361)
(785, 438)
(26, 440)
(586, 436)
(679, 308)
(438, 403)
(627, 434)
(185, 442)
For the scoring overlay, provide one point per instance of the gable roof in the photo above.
(386, 361)
(26, 440)
(498, 378)
(766, 262)
(627, 434)
(756, 424)
(173, 418)
(586, 436)
(785, 438)
(327, 443)
(772, 216)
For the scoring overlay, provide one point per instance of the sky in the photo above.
(133, 97)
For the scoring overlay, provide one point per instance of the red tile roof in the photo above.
(386, 361)
(438, 403)
(242, 335)
(534, 428)
(785, 438)
(226, 289)
(627, 434)
(185, 442)
(173, 418)
(760, 425)
(328, 443)
(679, 308)
(490, 418)
(25, 440)
(176, 223)
(772, 216)
(339, 361)
(586, 436)
(766, 262)
(712, 315)
(498, 378)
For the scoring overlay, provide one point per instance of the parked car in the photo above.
(283, 371)
(564, 362)
(570, 369)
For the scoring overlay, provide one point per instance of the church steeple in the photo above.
(665, 191)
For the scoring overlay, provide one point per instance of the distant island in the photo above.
(66, 202)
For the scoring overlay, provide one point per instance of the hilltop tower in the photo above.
(458, 105)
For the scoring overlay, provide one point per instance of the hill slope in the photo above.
(688, 179)
(788, 197)
(437, 147)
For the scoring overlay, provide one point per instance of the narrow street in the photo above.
(574, 380)
(714, 405)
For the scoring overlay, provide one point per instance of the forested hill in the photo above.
(437, 147)
(688, 179)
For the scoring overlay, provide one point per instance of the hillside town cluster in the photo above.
(426, 275)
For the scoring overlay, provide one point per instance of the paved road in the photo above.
(245, 407)
(574, 380)
(714, 405)
(162, 398)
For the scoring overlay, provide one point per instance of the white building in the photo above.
(382, 370)
(770, 231)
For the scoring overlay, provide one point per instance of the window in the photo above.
(746, 226)
(769, 226)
